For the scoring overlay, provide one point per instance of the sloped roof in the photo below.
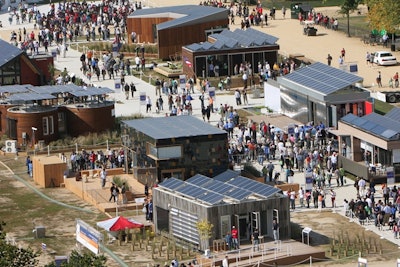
(375, 124)
(8, 52)
(235, 39)
(173, 127)
(394, 114)
(182, 15)
(320, 79)
(213, 192)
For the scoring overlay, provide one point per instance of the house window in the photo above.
(48, 125)
(45, 122)
(51, 125)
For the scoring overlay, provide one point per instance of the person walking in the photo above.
(333, 198)
(114, 192)
(148, 104)
(103, 177)
(270, 168)
(343, 54)
(329, 58)
(396, 79)
(379, 79)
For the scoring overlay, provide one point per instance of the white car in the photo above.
(384, 58)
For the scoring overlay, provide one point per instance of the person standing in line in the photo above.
(379, 79)
(228, 241)
(301, 197)
(329, 58)
(270, 168)
(235, 241)
(275, 229)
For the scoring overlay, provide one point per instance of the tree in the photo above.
(349, 6)
(383, 15)
(13, 256)
(204, 228)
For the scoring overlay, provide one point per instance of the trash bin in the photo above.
(393, 47)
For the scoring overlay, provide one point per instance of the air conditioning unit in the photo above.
(11, 146)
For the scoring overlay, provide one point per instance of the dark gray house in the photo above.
(176, 146)
(226, 200)
(319, 92)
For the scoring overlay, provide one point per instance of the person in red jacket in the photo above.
(235, 241)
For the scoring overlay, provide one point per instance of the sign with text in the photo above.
(390, 176)
(309, 180)
(142, 98)
(182, 81)
(88, 236)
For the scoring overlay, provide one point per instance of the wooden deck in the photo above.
(284, 253)
(90, 191)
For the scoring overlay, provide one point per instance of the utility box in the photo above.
(40, 232)
(60, 260)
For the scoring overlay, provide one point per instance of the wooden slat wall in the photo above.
(171, 40)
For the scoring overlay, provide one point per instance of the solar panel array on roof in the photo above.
(211, 191)
(16, 88)
(254, 186)
(376, 124)
(394, 114)
(91, 91)
(322, 78)
(236, 39)
(171, 183)
(28, 97)
(49, 89)
(226, 176)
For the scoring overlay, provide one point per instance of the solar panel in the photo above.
(171, 183)
(17, 88)
(226, 176)
(322, 78)
(191, 190)
(238, 194)
(211, 198)
(29, 97)
(199, 180)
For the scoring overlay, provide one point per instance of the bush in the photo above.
(119, 181)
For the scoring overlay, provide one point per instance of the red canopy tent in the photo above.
(119, 223)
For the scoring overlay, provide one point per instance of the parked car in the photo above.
(384, 58)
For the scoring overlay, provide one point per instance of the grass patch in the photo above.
(382, 107)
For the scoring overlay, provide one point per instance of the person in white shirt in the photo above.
(301, 197)
(225, 262)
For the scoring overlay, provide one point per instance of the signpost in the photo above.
(88, 236)
(390, 176)
(309, 181)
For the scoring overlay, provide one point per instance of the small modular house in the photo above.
(175, 26)
(175, 146)
(224, 201)
(321, 93)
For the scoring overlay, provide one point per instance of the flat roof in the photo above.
(182, 15)
(173, 127)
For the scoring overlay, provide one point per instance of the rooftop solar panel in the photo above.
(322, 78)
(199, 180)
(238, 194)
(226, 176)
(17, 88)
(28, 97)
(171, 183)
(211, 198)
(191, 190)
